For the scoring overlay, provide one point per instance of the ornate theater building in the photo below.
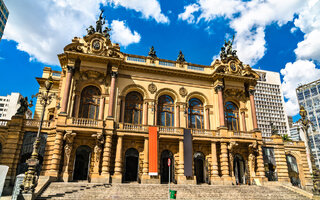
(119, 117)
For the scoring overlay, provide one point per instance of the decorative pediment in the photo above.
(229, 63)
(96, 42)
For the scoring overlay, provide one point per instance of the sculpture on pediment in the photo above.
(274, 130)
(106, 33)
(90, 30)
(152, 53)
(181, 57)
(100, 22)
(226, 50)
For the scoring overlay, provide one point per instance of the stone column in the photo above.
(56, 154)
(224, 160)
(70, 70)
(253, 109)
(260, 166)
(123, 108)
(68, 138)
(181, 178)
(101, 109)
(145, 113)
(219, 89)
(77, 104)
(95, 175)
(117, 177)
(207, 118)
(105, 174)
(145, 171)
(214, 163)
(243, 118)
(112, 90)
(177, 115)
(155, 114)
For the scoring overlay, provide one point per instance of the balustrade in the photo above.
(36, 123)
(132, 127)
(84, 122)
(199, 132)
(242, 134)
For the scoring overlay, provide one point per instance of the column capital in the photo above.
(114, 74)
(252, 91)
(70, 68)
(219, 88)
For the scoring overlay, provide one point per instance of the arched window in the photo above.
(195, 113)
(89, 103)
(293, 170)
(133, 108)
(165, 111)
(232, 116)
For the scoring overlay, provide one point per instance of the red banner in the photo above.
(153, 151)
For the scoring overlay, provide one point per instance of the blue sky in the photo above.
(273, 35)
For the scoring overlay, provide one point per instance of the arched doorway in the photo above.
(131, 165)
(293, 170)
(199, 167)
(239, 169)
(164, 166)
(82, 162)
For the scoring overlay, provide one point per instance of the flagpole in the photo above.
(169, 178)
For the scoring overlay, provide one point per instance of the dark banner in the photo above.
(187, 149)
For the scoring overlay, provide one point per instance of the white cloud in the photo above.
(149, 9)
(309, 22)
(122, 34)
(187, 15)
(249, 20)
(44, 28)
(299, 72)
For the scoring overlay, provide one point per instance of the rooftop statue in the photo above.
(152, 53)
(226, 50)
(274, 130)
(100, 23)
(90, 30)
(23, 106)
(106, 32)
(180, 57)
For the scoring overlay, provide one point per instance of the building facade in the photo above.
(270, 103)
(9, 105)
(4, 13)
(124, 116)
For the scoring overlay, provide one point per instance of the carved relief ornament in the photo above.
(183, 92)
(152, 88)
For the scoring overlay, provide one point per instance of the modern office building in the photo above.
(309, 97)
(270, 103)
(4, 13)
(9, 105)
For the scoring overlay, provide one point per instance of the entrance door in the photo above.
(164, 166)
(199, 164)
(293, 170)
(131, 165)
(81, 166)
(239, 169)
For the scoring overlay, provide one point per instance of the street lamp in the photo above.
(30, 180)
(315, 171)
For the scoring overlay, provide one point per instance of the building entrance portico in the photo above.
(82, 162)
(131, 165)
(199, 167)
(239, 169)
(164, 166)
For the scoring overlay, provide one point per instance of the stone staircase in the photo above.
(88, 191)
